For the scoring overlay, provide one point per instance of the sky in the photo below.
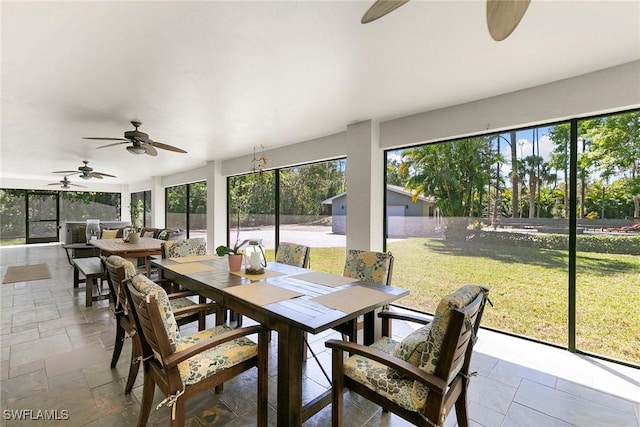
(525, 140)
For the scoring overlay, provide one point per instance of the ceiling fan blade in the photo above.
(103, 174)
(115, 143)
(54, 183)
(65, 172)
(99, 138)
(166, 147)
(503, 16)
(78, 185)
(381, 8)
(94, 175)
(149, 149)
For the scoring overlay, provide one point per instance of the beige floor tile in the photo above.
(570, 408)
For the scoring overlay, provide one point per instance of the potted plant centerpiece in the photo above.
(131, 234)
(235, 254)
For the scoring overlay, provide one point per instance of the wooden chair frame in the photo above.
(307, 253)
(176, 287)
(349, 330)
(125, 325)
(457, 345)
(161, 362)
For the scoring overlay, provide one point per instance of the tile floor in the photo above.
(55, 355)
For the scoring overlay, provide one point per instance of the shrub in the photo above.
(605, 243)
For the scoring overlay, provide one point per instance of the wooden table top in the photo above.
(118, 245)
(284, 293)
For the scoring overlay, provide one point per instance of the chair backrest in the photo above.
(449, 344)
(153, 317)
(369, 266)
(118, 270)
(146, 290)
(185, 247)
(293, 254)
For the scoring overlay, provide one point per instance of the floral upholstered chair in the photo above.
(185, 248)
(293, 254)
(424, 376)
(369, 267)
(120, 269)
(184, 366)
(182, 248)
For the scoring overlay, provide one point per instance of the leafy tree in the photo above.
(198, 197)
(12, 213)
(251, 195)
(304, 188)
(532, 166)
(455, 173)
(514, 175)
(177, 199)
(393, 173)
(615, 148)
(559, 159)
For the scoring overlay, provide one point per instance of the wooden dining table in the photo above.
(145, 247)
(292, 301)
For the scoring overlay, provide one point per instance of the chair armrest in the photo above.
(164, 282)
(198, 348)
(434, 383)
(196, 308)
(404, 316)
(181, 294)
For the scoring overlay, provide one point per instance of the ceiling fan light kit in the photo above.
(136, 150)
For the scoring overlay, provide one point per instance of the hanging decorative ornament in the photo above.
(259, 163)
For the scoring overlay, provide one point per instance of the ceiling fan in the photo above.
(140, 142)
(86, 172)
(503, 16)
(66, 183)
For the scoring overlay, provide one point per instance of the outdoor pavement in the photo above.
(316, 236)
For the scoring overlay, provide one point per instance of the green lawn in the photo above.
(7, 242)
(528, 289)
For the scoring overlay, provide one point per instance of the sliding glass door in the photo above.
(42, 217)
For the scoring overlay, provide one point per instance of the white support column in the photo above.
(216, 206)
(125, 202)
(158, 217)
(365, 180)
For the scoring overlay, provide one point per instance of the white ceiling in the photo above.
(220, 78)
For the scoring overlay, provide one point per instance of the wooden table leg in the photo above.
(66, 250)
(76, 276)
(372, 327)
(290, 346)
(88, 285)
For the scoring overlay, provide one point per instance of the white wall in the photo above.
(314, 150)
(613, 89)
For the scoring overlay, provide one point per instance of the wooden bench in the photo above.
(91, 269)
(80, 250)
